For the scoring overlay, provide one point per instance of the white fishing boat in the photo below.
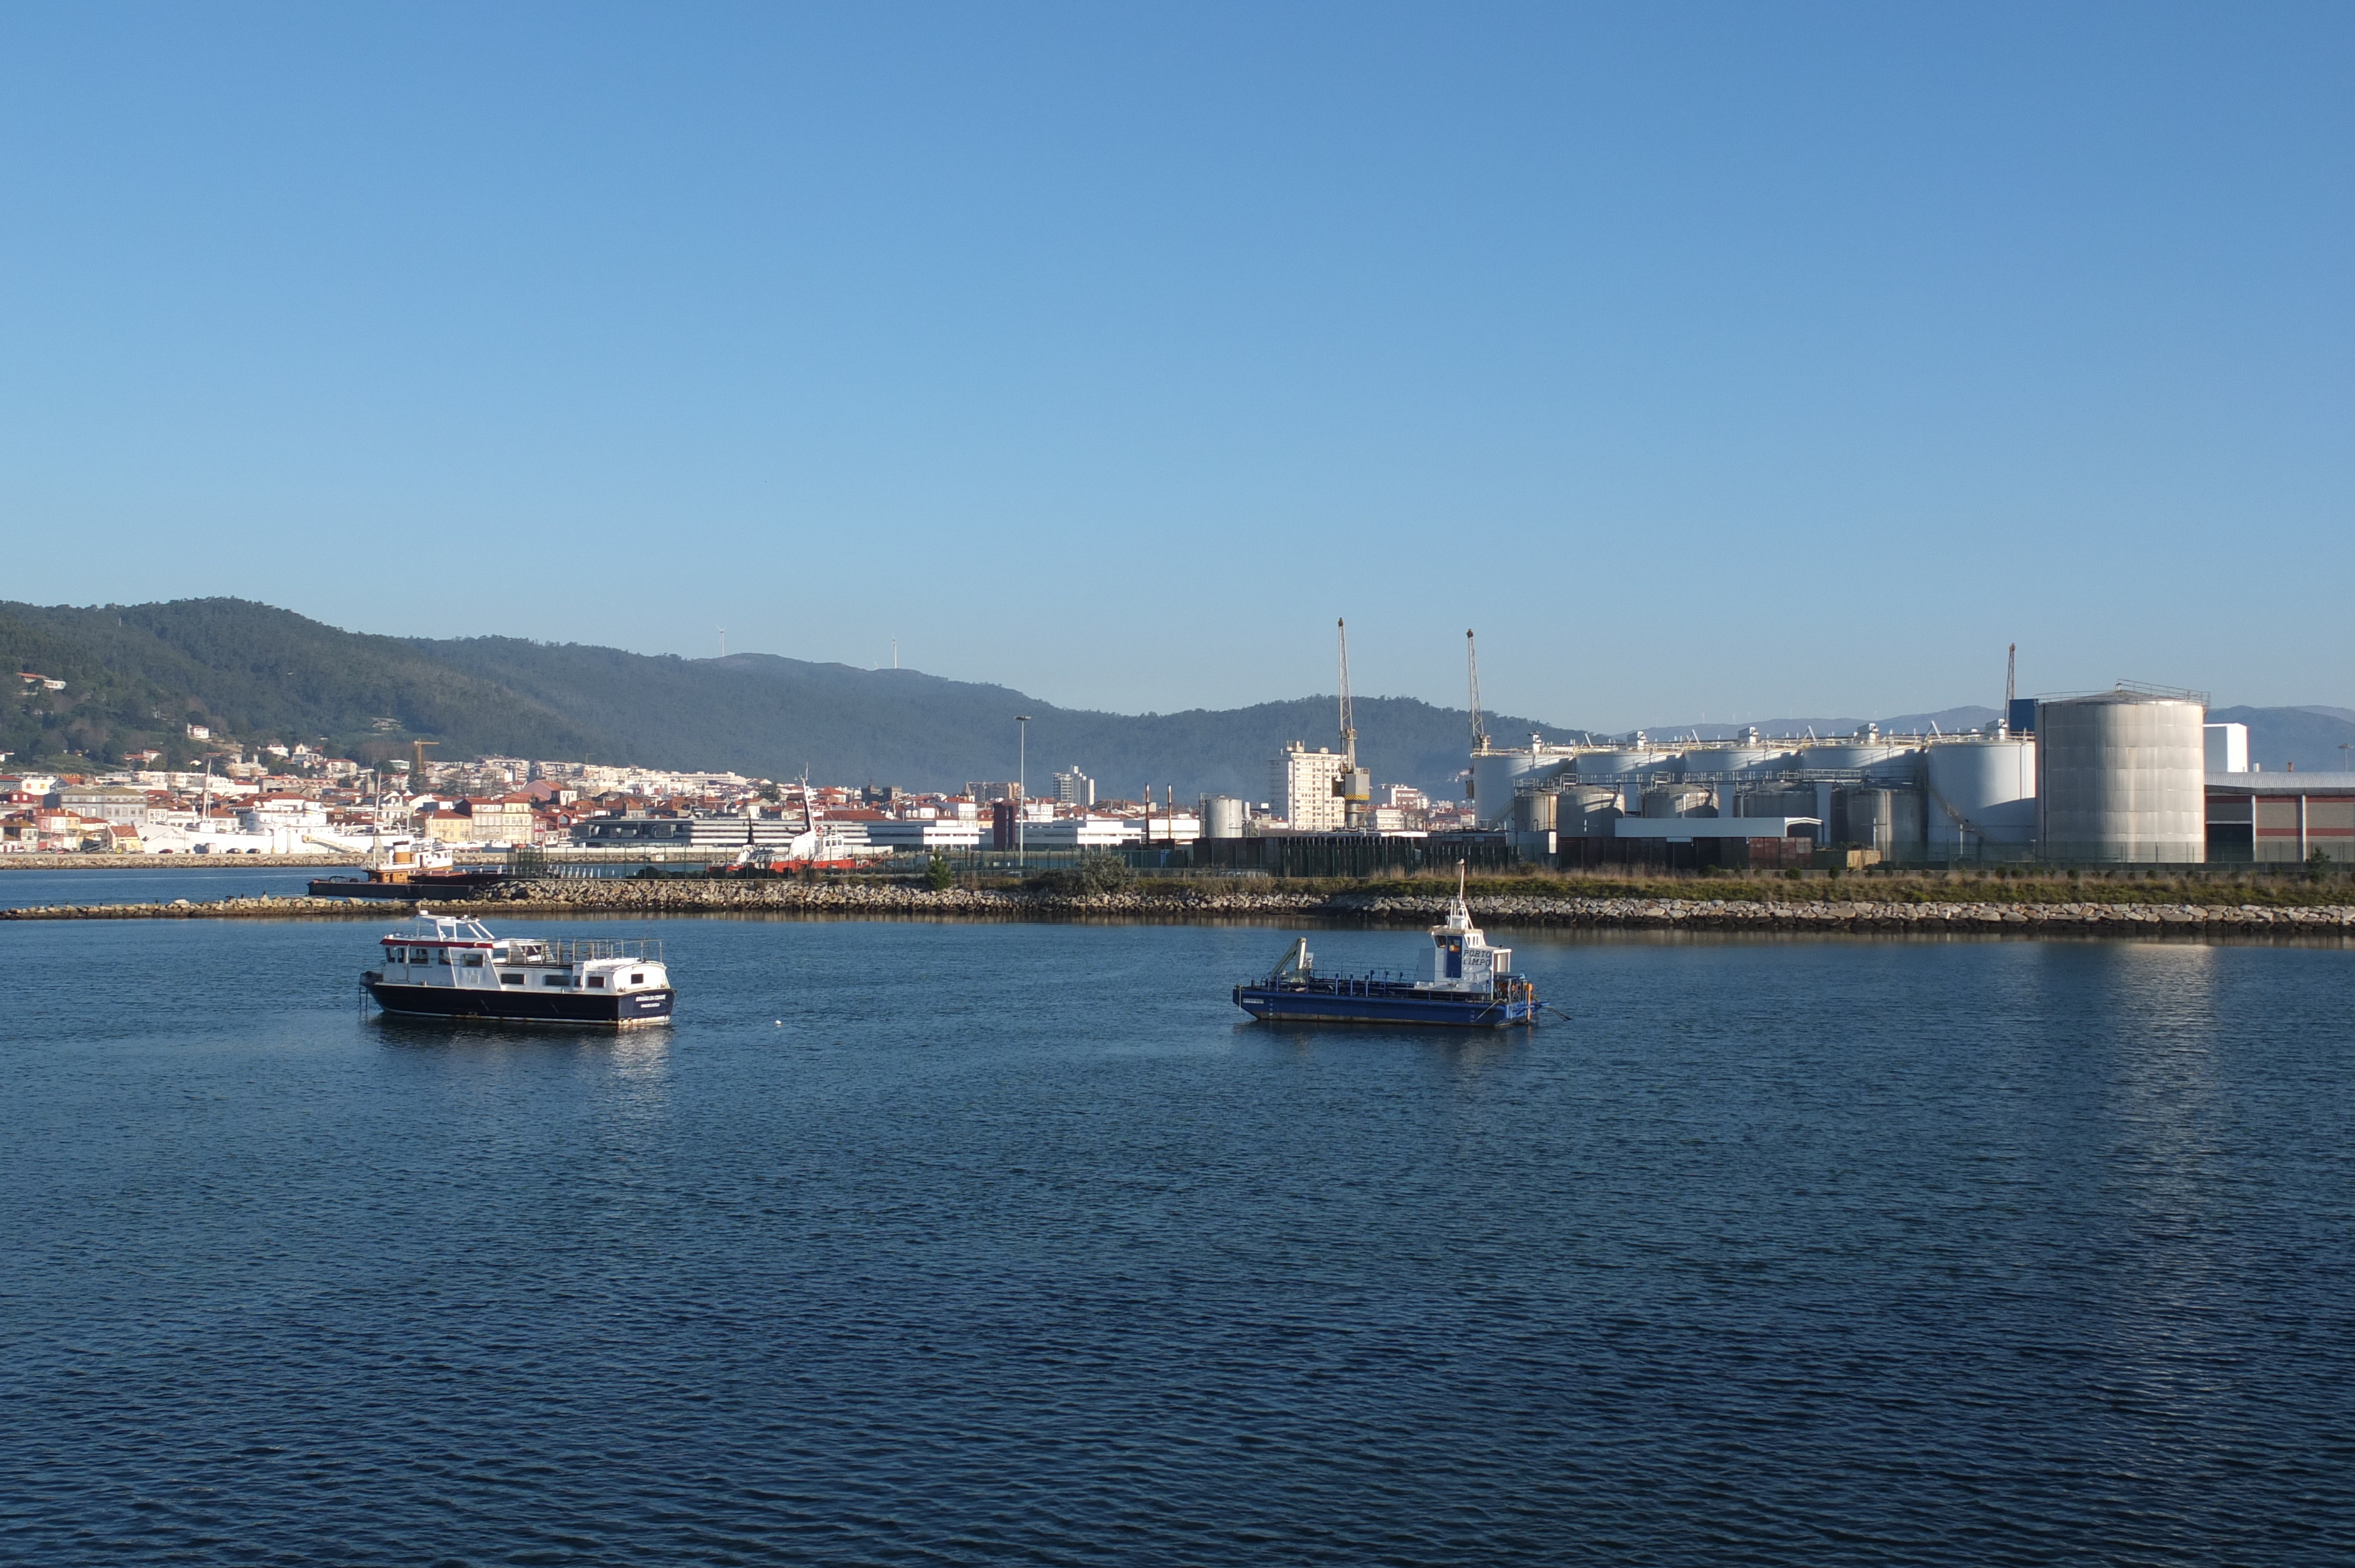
(441, 966)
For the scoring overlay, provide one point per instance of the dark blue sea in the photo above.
(1016, 1243)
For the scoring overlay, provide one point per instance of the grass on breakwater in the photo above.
(2289, 887)
(2299, 904)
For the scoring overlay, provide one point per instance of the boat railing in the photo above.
(643, 949)
(1341, 984)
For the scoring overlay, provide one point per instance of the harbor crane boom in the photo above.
(1354, 787)
(1472, 662)
(1349, 724)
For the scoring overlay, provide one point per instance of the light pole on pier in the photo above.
(1021, 784)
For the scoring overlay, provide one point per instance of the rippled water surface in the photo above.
(1015, 1244)
(198, 879)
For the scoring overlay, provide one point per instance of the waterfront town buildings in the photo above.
(283, 800)
(1895, 792)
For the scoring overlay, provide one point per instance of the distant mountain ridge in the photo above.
(135, 675)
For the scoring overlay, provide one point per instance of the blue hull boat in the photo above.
(1341, 998)
(1464, 983)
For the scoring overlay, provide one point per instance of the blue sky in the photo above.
(1715, 361)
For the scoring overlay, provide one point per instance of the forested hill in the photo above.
(135, 675)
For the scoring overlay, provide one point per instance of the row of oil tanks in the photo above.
(2122, 781)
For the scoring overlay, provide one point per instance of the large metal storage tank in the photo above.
(1621, 763)
(1980, 792)
(1893, 764)
(1223, 817)
(1888, 821)
(1732, 761)
(1533, 811)
(1773, 803)
(1587, 811)
(1497, 774)
(1677, 800)
(2120, 779)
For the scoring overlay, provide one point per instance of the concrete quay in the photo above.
(653, 899)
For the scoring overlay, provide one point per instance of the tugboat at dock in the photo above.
(1463, 982)
(441, 966)
(401, 865)
(405, 871)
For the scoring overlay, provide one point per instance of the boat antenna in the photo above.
(1459, 881)
(1472, 662)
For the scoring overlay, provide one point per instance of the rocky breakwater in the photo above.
(720, 895)
(1849, 915)
(260, 907)
(652, 898)
(1197, 901)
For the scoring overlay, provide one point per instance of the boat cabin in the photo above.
(1459, 957)
(448, 950)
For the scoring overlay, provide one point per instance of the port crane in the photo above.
(1472, 662)
(1354, 785)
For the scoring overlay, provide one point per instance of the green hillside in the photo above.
(136, 676)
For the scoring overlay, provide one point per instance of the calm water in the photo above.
(988, 1243)
(200, 883)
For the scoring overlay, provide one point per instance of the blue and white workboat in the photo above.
(441, 966)
(1463, 981)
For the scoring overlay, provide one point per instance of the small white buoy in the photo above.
(781, 1024)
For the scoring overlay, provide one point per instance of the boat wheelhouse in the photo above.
(1462, 982)
(442, 966)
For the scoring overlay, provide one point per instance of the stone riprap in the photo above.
(1193, 902)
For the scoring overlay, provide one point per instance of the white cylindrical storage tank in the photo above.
(1587, 811)
(1620, 762)
(1980, 792)
(1223, 817)
(1497, 774)
(1733, 761)
(2120, 778)
(1882, 764)
(1533, 811)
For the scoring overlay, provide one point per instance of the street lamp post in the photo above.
(1022, 785)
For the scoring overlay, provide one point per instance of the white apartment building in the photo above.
(1301, 788)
